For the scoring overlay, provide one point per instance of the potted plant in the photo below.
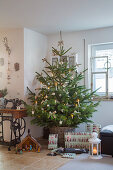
(3, 93)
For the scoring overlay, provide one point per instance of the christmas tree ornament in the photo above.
(56, 85)
(60, 122)
(54, 116)
(72, 116)
(76, 105)
(33, 112)
(41, 84)
(36, 102)
(78, 101)
(46, 97)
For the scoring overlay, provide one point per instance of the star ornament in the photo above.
(60, 43)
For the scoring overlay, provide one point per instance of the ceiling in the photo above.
(51, 16)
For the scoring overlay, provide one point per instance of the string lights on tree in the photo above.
(61, 100)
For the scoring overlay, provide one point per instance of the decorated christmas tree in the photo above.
(61, 100)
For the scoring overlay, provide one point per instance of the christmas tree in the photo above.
(61, 100)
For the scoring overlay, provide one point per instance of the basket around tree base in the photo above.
(60, 131)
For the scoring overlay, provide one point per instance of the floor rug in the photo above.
(82, 162)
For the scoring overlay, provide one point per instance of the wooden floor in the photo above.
(29, 160)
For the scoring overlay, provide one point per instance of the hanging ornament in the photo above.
(55, 101)
(36, 102)
(5, 41)
(54, 116)
(56, 85)
(78, 101)
(75, 111)
(44, 86)
(64, 85)
(48, 87)
(46, 97)
(50, 114)
(42, 102)
(47, 105)
(41, 84)
(76, 104)
(60, 122)
(33, 112)
(72, 116)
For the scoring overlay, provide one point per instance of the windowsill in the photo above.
(103, 99)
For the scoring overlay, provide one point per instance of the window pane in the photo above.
(110, 85)
(99, 64)
(99, 81)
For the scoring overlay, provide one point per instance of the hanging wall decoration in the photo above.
(1, 61)
(8, 50)
(16, 67)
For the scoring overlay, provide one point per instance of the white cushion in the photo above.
(109, 127)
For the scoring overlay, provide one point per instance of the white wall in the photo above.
(35, 49)
(27, 48)
(16, 43)
(104, 115)
(15, 89)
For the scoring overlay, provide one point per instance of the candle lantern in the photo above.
(95, 147)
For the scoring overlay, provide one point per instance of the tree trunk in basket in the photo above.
(60, 131)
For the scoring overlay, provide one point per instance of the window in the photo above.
(102, 69)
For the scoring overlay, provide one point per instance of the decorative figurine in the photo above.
(29, 143)
(30, 147)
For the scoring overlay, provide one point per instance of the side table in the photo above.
(17, 125)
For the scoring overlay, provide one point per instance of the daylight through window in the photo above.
(102, 69)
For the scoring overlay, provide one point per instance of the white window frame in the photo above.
(92, 48)
(103, 72)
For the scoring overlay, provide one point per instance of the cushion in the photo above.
(108, 128)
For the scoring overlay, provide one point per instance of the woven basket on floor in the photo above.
(60, 131)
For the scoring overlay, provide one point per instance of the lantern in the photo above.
(95, 147)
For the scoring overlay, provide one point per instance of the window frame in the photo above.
(101, 72)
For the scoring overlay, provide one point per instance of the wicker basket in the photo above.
(60, 131)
